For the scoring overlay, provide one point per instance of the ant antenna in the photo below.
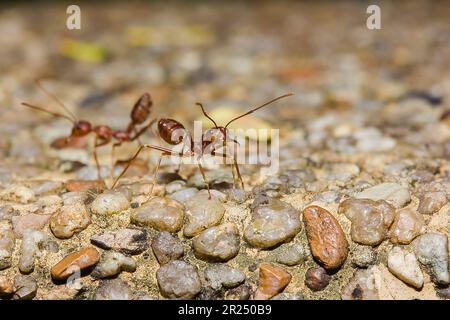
(59, 102)
(55, 114)
(206, 115)
(263, 105)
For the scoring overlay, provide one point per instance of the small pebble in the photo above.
(288, 296)
(273, 222)
(29, 221)
(214, 177)
(47, 187)
(236, 195)
(407, 225)
(167, 247)
(431, 202)
(404, 265)
(178, 280)
(362, 286)
(370, 219)
(7, 212)
(219, 243)
(114, 289)
(97, 186)
(432, 251)
(184, 195)
(78, 261)
(317, 279)
(17, 193)
(208, 293)
(7, 243)
(363, 256)
(290, 255)
(127, 241)
(272, 280)
(25, 288)
(175, 186)
(222, 275)
(112, 263)
(243, 292)
(326, 238)
(163, 214)
(393, 193)
(72, 218)
(32, 247)
(6, 287)
(202, 213)
(109, 203)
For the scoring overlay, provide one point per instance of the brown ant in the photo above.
(103, 134)
(169, 130)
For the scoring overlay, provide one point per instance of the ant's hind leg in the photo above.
(205, 180)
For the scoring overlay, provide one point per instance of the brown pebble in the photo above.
(84, 185)
(83, 259)
(317, 278)
(326, 237)
(272, 280)
(6, 287)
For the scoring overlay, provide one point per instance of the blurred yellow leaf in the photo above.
(82, 51)
(196, 34)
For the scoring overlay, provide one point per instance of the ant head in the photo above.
(218, 134)
(81, 128)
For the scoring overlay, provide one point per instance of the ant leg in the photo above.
(94, 152)
(165, 150)
(137, 138)
(155, 175)
(236, 164)
(113, 157)
(238, 173)
(142, 130)
(204, 179)
(234, 175)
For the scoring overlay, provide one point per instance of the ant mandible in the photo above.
(103, 133)
(211, 139)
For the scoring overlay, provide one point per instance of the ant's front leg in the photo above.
(205, 181)
(235, 164)
(113, 157)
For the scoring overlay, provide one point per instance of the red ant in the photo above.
(103, 134)
(211, 139)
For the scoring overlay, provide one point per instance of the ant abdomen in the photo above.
(171, 131)
(141, 109)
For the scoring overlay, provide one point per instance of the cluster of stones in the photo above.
(376, 215)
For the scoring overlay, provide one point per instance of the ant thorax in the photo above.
(103, 132)
(215, 140)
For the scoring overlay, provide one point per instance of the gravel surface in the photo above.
(359, 208)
